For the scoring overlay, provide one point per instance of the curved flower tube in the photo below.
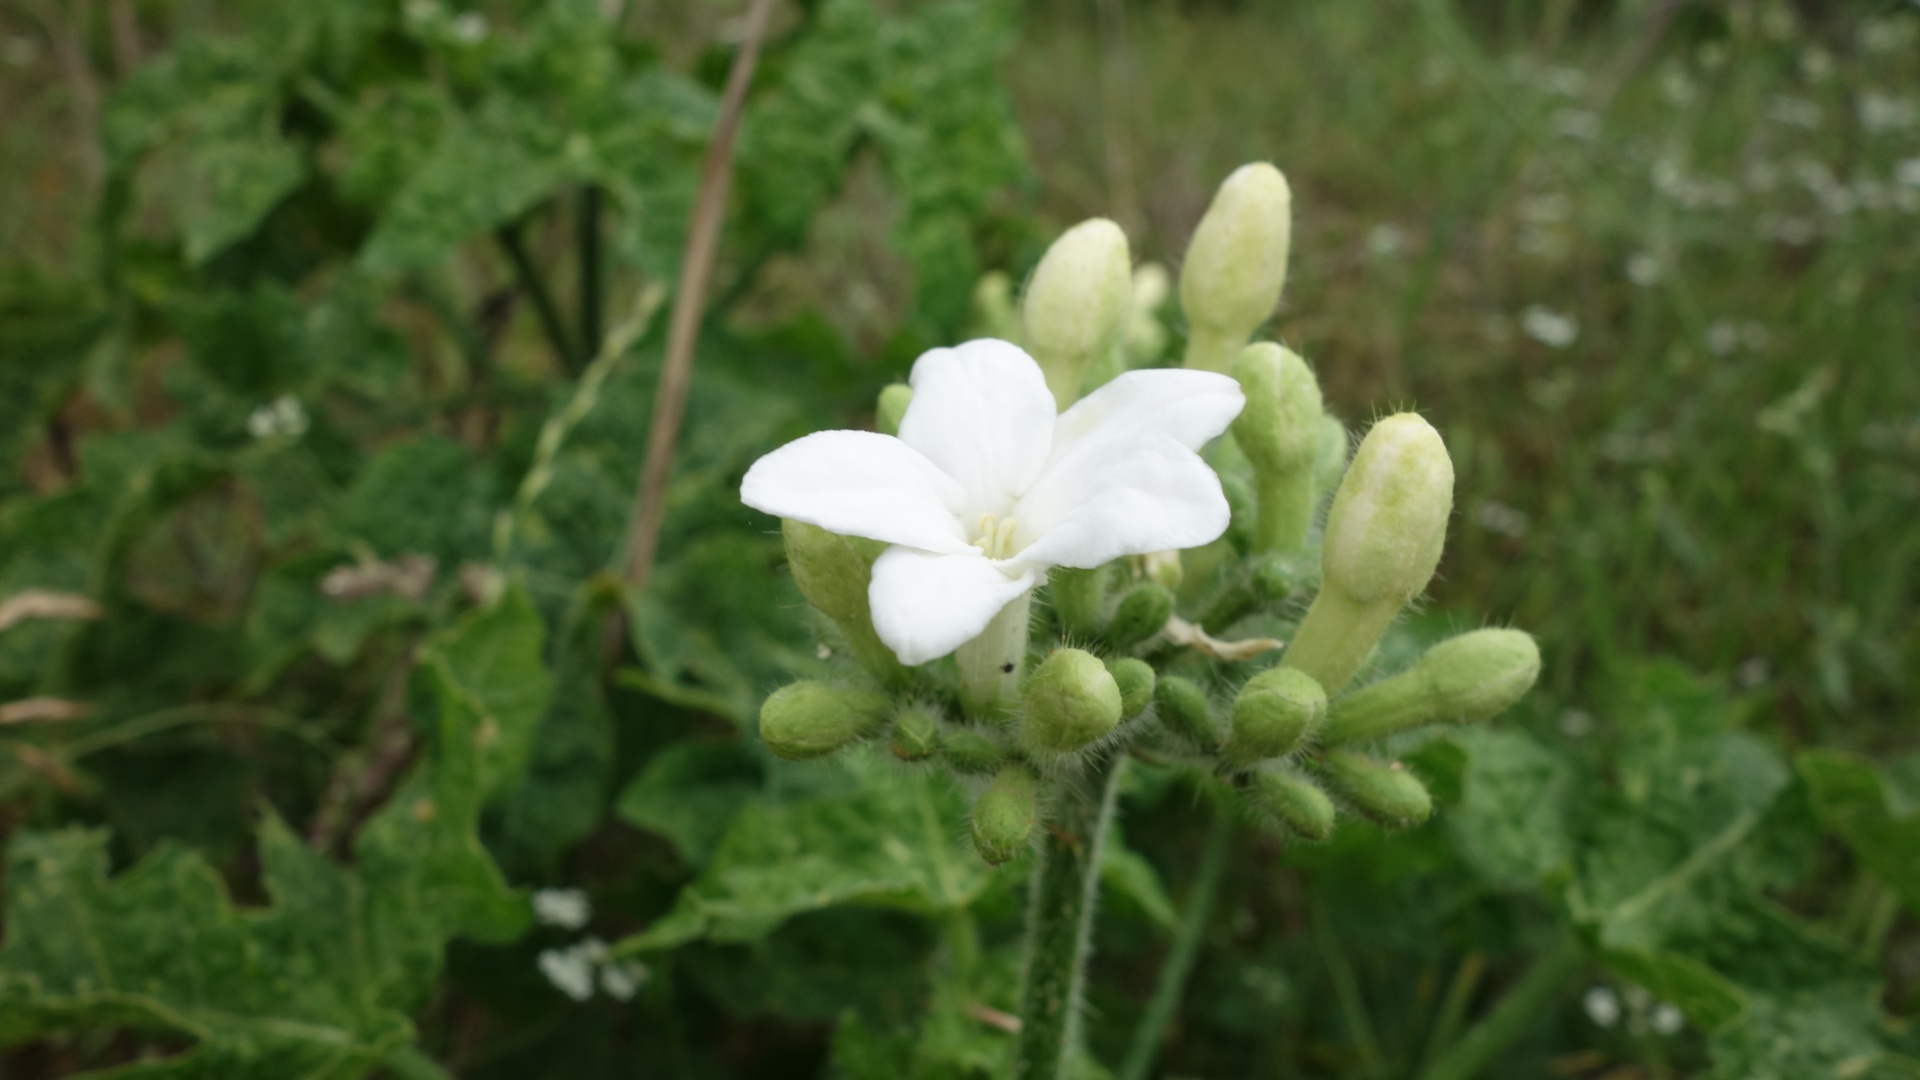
(986, 487)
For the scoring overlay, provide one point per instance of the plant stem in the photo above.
(524, 268)
(1211, 350)
(1337, 636)
(991, 664)
(592, 286)
(1509, 1019)
(1346, 990)
(1060, 910)
(1284, 508)
(1186, 946)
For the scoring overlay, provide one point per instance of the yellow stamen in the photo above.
(995, 537)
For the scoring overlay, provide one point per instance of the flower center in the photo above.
(995, 536)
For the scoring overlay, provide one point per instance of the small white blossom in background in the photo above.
(1602, 1005)
(568, 909)
(1752, 673)
(1816, 64)
(1908, 172)
(570, 970)
(1386, 240)
(1667, 1019)
(1500, 518)
(1549, 327)
(19, 51)
(1578, 724)
(284, 417)
(1676, 87)
(1884, 112)
(1794, 112)
(1643, 270)
(621, 979)
(1582, 124)
(577, 969)
(470, 28)
(1886, 35)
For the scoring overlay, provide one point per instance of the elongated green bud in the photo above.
(1004, 815)
(811, 719)
(1462, 680)
(1385, 792)
(1384, 535)
(1279, 432)
(1071, 702)
(1077, 304)
(916, 734)
(1185, 711)
(1277, 712)
(832, 573)
(1078, 596)
(892, 407)
(1135, 680)
(972, 752)
(1142, 613)
(1268, 580)
(1236, 264)
(1282, 801)
(994, 314)
(1330, 456)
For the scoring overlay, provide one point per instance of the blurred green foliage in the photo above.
(292, 293)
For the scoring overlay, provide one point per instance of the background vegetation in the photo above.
(311, 449)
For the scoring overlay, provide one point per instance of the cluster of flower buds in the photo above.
(1123, 657)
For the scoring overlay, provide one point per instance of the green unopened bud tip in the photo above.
(1281, 800)
(892, 407)
(1277, 712)
(1236, 264)
(916, 734)
(1385, 792)
(971, 752)
(1389, 518)
(812, 719)
(1141, 613)
(1004, 815)
(1070, 702)
(1077, 304)
(1135, 680)
(1185, 711)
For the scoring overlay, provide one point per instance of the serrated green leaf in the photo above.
(1512, 820)
(690, 793)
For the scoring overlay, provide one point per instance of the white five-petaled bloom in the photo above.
(986, 487)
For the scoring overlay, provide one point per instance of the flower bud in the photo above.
(994, 315)
(811, 719)
(1384, 534)
(1330, 456)
(1282, 801)
(892, 407)
(1276, 713)
(916, 734)
(1071, 701)
(1185, 711)
(1142, 613)
(1164, 568)
(971, 752)
(1387, 793)
(1077, 303)
(1135, 680)
(1004, 815)
(1279, 432)
(832, 572)
(1078, 597)
(1236, 264)
(1463, 680)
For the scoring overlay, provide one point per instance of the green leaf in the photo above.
(1125, 872)
(1853, 799)
(690, 793)
(893, 842)
(1512, 821)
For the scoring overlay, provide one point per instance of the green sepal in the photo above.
(1276, 713)
(916, 734)
(1136, 680)
(1384, 791)
(1185, 711)
(1070, 702)
(1004, 815)
(811, 719)
(1141, 613)
(971, 752)
(1282, 801)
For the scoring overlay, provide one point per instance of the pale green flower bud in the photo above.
(832, 572)
(971, 752)
(916, 734)
(1384, 534)
(994, 313)
(1236, 264)
(1185, 711)
(1135, 680)
(1078, 597)
(1004, 815)
(1279, 432)
(1385, 792)
(1070, 702)
(1330, 459)
(1077, 304)
(892, 407)
(1282, 801)
(1277, 712)
(1463, 680)
(1142, 613)
(813, 719)
(1164, 568)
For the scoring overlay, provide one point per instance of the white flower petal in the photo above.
(925, 606)
(982, 412)
(1191, 406)
(858, 483)
(1119, 495)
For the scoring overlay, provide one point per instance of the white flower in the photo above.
(568, 909)
(1549, 327)
(986, 488)
(1602, 1005)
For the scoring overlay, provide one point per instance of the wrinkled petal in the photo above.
(1128, 494)
(983, 414)
(858, 483)
(925, 606)
(1190, 406)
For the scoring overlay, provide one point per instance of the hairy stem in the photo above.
(1186, 946)
(1060, 907)
(1337, 636)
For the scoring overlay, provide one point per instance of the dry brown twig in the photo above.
(28, 710)
(45, 604)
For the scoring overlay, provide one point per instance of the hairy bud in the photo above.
(892, 407)
(1282, 801)
(1279, 432)
(971, 752)
(1387, 793)
(994, 314)
(1135, 680)
(832, 572)
(1383, 540)
(811, 719)
(1236, 264)
(1070, 702)
(1004, 815)
(1276, 713)
(1462, 680)
(1185, 711)
(916, 734)
(1330, 454)
(1142, 613)
(1077, 304)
